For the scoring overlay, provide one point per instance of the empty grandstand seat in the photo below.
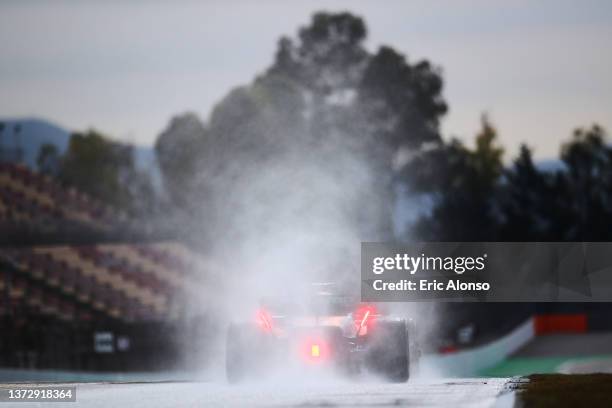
(52, 274)
(35, 295)
(110, 299)
(99, 296)
(66, 309)
(18, 286)
(50, 303)
(37, 264)
(83, 287)
(68, 277)
(84, 314)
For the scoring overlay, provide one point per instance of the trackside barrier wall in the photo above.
(470, 362)
(561, 323)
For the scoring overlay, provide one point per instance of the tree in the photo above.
(48, 159)
(477, 199)
(102, 168)
(570, 204)
(464, 184)
(589, 183)
(326, 111)
(404, 101)
(178, 148)
(530, 202)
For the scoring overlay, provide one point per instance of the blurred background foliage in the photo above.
(325, 93)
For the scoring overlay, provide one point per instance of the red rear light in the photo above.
(314, 350)
(264, 320)
(364, 318)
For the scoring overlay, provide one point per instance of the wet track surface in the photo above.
(417, 393)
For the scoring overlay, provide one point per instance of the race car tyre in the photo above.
(388, 351)
(246, 352)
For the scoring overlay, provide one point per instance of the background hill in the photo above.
(29, 134)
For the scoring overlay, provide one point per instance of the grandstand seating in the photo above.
(122, 281)
(26, 196)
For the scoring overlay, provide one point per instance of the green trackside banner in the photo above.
(487, 271)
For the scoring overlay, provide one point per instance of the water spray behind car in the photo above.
(282, 227)
(285, 200)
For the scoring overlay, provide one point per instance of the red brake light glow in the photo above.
(364, 319)
(264, 320)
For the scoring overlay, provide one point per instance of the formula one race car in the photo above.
(330, 332)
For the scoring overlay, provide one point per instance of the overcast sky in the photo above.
(539, 68)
